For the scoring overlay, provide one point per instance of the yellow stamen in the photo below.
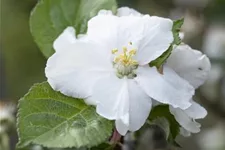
(114, 51)
(117, 59)
(124, 62)
(132, 52)
(134, 62)
(122, 56)
(124, 49)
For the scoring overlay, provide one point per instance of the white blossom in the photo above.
(190, 64)
(123, 11)
(194, 67)
(108, 67)
(186, 118)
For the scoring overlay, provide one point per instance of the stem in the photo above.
(116, 137)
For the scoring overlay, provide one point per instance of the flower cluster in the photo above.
(109, 67)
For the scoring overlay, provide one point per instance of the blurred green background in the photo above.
(22, 64)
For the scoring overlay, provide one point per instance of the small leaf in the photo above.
(176, 30)
(162, 59)
(163, 123)
(48, 118)
(163, 111)
(50, 17)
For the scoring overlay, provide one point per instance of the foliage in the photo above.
(50, 17)
(164, 112)
(48, 118)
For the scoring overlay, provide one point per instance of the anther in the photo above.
(124, 49)
(114, 51)
(132, 52)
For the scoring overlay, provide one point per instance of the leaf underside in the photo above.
(163, 111)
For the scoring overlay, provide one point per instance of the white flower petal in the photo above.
(139, 108)
(184, 132)
(123, 101)
(140, 105)
(74, 72)
(105, 12)
(152, 38)
(181, 35)
(168, 88)
(122, 11)
(115, 32)
(155, 103)
(65, 39)
(184, 120)
(90, 101)
(111, 94)
(156, 39)
(190, 64)
(102, 30)
(126, 11)
(82, 37)
(196, 111)
(121, 127)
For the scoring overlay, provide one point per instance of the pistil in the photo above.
(124, 63)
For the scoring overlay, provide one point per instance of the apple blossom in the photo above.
(194, 67)
(108, 67)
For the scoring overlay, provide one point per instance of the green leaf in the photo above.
(176, 30)
(50, 17)
(162, 59)
(163, 111)
(48, 118)
(163, 123)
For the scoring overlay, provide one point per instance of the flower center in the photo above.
(124, 63)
